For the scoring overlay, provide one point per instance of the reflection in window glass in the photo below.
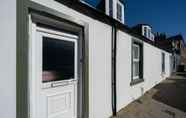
(58, 59)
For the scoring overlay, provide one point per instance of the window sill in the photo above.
(136, 81)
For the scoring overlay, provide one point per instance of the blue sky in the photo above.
(167, 16)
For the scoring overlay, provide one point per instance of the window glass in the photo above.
(163, 62)
(58, 59)
(136, 68)
(135, 51)
(137, 61)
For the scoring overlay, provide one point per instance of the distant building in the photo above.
(183, 56)
(179, 47)
(175, 44)
(162, 41)
(145, 30)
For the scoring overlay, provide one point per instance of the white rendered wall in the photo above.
(100, 65)
(152, 70)
(123, 69)
(8, 58)
(99, 60)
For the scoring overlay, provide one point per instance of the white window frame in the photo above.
(122, 11)
(59, 36)
(148, 32)
(136, 60)
(114, 10)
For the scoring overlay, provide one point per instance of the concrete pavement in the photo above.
(165, 100)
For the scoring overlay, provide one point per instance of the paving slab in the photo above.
(165, 100)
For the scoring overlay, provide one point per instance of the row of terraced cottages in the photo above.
(65, 59)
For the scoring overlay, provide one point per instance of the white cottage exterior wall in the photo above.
(8, 59)
(100, 60)
(100, 64)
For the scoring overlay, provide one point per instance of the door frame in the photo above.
(63, 37)
(35, 66)
(39, 14)
(37, 20)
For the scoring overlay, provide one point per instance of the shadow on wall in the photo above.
(172, 92)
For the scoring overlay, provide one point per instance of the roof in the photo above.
(142, 24)
(122, 1)
(102, 17)
(176, 37)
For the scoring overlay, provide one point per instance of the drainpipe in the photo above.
(114, 51)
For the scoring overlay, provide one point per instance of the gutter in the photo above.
(114, 54)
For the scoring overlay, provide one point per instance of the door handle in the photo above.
(60, 84)
(64, 83)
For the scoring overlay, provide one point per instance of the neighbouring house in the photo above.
(175, 44)
(183, 56)
(74, 59)
(178, 45)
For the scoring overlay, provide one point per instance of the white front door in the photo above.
(53, 75)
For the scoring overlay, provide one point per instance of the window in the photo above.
(120, 11)
(137, 62)
(163, 62)
(147, 33)
(58, 59)
(174, 62)
(170, 63)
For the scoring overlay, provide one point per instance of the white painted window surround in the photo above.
(147, 32)
(120, 11)
(114, 9)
